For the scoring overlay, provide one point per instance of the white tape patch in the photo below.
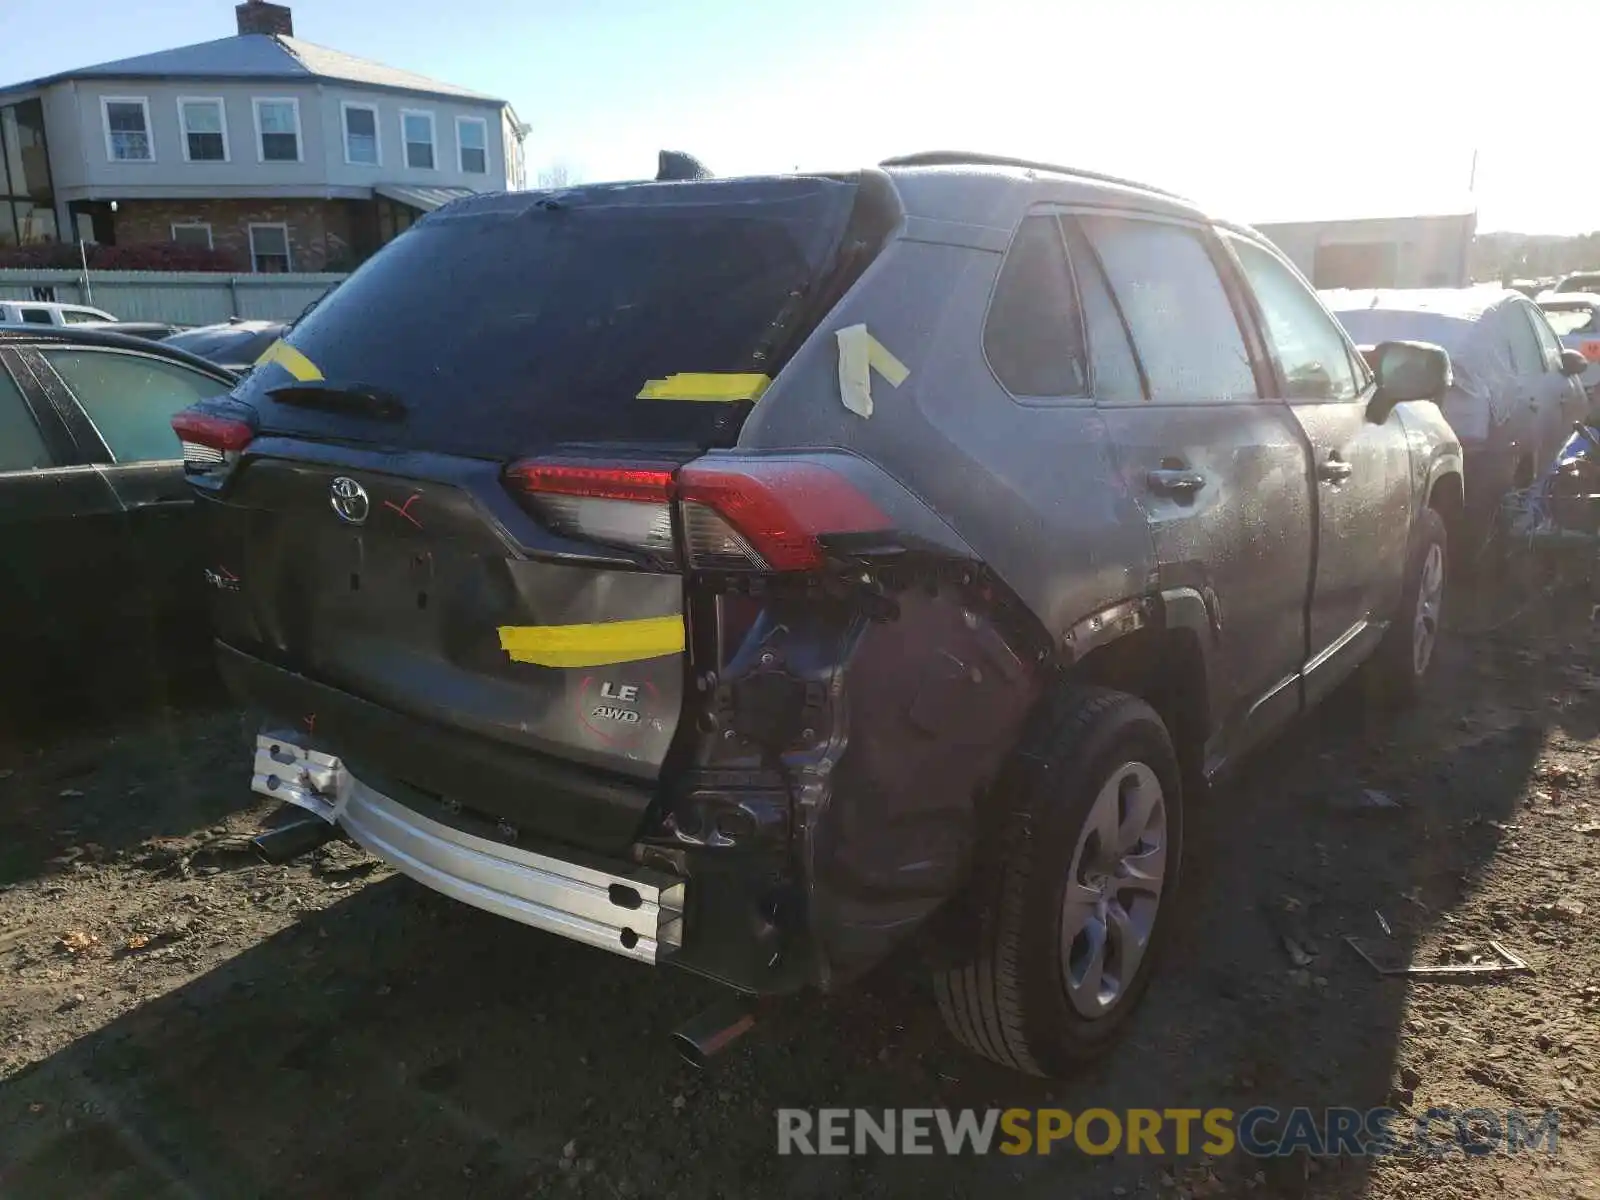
(860, 354)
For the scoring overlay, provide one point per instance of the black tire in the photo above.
(1010, 1001)
(1394, 671)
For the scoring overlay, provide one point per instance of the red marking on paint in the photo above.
(311, 723)
(404, 509)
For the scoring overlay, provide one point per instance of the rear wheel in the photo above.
(1074, 899)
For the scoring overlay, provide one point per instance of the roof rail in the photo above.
(959, 158)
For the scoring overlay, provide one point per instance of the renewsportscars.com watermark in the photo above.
(1262, 1132)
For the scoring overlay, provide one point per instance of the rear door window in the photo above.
(131, 398)
(1549, 346)
(1184, 328)
(1033, 335)
(1310, 351)
(1111, 362)
(36, 316)
(22, 446)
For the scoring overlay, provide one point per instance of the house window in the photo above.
(196, 234)
(205, 130)
(418, 127)
(472, 139)
(269, 249)
(361, 135)
(278, 127)
(128, 129)
(27, 199)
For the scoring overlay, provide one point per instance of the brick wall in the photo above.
(319, 230)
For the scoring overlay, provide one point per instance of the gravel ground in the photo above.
(177, 1020)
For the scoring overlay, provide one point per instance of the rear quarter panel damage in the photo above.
(882, 717)
(936, 700)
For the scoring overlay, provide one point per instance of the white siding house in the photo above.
(281, 153)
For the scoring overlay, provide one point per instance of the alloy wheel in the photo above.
(1113, 889)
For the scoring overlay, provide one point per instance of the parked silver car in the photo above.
(1515, 393)
(751, 569)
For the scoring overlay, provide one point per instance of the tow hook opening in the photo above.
(294, 832)
(703, 1037)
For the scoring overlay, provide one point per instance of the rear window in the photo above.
(1566, 321)
(1579, 283)
(507, 324)
(1369, 326)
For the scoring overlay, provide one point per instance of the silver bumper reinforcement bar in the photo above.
(633, 911)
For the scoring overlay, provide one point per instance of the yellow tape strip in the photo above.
(885, 363)
(291, 360)
(713, 387)
(860, 354)
(593, 645)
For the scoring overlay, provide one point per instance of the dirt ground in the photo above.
(177, 1020)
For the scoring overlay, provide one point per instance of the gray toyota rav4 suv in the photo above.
(747, 574)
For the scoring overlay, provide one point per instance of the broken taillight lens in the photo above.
(208, 441)
(751, 515)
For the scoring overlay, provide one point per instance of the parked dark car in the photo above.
(100, 583)
(1515, 392)
(153, 331)
(754, 571)
(1579, 281)
(234, 344)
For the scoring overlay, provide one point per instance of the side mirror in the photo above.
(1573, 363)
(1406, 371)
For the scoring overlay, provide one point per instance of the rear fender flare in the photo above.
(1193, 611)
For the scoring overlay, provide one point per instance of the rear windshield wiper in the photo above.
(341, 397)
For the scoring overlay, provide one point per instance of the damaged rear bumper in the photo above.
(633, 911)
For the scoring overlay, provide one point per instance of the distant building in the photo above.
(292, 156)
(1380, 252)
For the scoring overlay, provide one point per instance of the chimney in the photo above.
(257, 16)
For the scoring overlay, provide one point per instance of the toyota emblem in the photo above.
(349, 500)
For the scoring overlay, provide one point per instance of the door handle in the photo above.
(1334, 470)
(1175, 481)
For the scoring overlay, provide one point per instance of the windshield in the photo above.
(511, 322)
(1571, 320)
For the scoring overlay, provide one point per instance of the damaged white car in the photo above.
(1516, 389)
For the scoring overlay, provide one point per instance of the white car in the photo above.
(1575, 318)
(1515, 394)
(40, 312)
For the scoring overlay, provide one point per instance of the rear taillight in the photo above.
(616, 506)
(768, 514)
(210, 442)
(759, 514)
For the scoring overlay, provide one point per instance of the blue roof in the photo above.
(261, 56)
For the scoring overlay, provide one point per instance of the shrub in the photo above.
(150, 256)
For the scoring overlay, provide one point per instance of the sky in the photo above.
(1263, 111)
